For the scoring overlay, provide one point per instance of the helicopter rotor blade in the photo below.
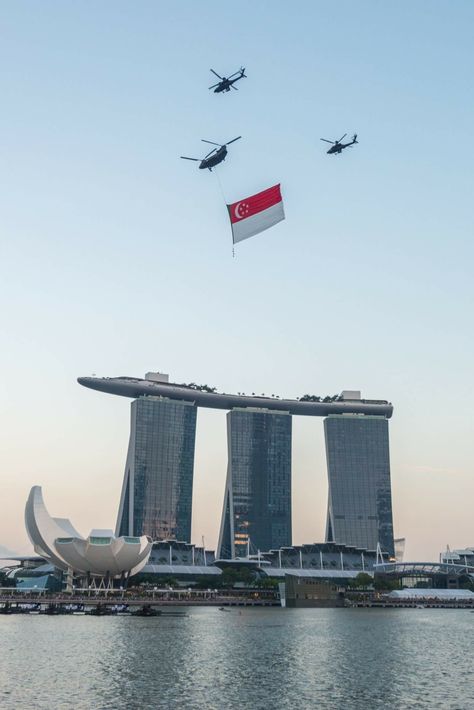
(211, 142)
(234, 87)
(214, 150)
(234, 74)
(340, 139)
(214, 72)
(214, 86)
(233, 139)
(184, 157)
(326, 141)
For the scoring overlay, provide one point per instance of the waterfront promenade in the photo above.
(150, 598)
(16, 602)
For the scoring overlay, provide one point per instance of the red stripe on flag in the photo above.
(254, 204)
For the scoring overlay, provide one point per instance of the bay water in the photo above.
(248, 658)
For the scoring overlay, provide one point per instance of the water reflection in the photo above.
(256, 659)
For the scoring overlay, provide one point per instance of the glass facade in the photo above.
(257, 503)
(158, 485)
(360, 498)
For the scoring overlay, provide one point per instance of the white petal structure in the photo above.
(100, 554)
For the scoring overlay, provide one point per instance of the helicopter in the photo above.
(215, 156)
(226, 84)
(337, 146)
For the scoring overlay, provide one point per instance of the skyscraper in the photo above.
(157, 490)
(158, 483)
(360, 499)
(257, 499)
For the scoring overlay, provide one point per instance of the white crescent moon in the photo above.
(236, 211)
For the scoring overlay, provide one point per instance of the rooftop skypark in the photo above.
(348, 402)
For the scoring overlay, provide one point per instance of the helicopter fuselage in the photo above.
(223, 86)
(339, 147)
(226, 84)
(214, 159)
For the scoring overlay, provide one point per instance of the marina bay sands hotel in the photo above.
(157, 489)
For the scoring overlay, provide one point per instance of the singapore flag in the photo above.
(256, 213)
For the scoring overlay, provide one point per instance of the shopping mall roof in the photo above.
(178, 570)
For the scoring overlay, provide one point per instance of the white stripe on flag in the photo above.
(250, 226)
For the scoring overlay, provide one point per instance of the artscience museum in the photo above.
(97, 559)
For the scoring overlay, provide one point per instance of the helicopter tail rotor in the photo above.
(354, 138)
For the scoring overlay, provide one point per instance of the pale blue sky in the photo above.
(116, 256)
